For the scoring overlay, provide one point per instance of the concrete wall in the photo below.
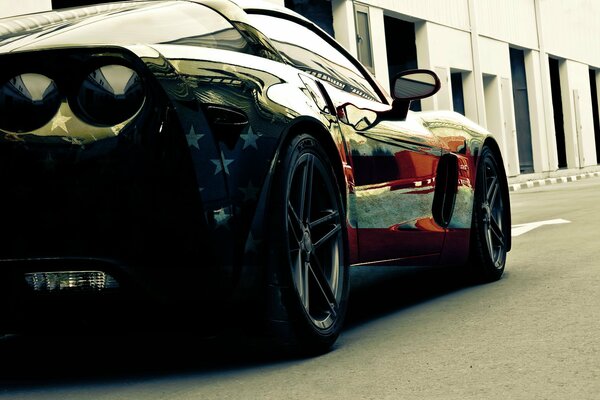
(511, 21)
(474, 37)
(451, 13)
(571, 29)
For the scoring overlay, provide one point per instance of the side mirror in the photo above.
(409, 85)
(415, 84)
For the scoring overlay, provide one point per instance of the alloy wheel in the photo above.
(315, 240)
(493, 211)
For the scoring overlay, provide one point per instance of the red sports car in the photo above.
(212, 161)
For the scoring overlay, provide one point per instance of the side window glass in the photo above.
(311, 53)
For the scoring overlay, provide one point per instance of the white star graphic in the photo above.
(222, 217)
(193, 138)
(250, 192)
(222, 165)
(60, 121)
(250, 139)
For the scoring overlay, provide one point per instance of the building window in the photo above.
(363, 36)
(458, 98)
(318, 11)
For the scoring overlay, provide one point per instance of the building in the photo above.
(528, 70)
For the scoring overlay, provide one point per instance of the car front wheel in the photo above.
(490, 231)
(308, 273)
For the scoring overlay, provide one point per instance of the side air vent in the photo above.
(446, 184)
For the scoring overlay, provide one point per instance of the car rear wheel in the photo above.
(490, 232)
(308, 273)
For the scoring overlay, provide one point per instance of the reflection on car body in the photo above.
(230, 163)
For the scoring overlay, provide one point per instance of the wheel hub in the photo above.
(487, 212)
(306, 243)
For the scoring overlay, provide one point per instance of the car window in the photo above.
(309, 52)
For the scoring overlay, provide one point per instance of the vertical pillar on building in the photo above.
(537, 114)
(550, 158)
(571, 106)
(477, 73)
(343, 24)
(444, 96)
(510, 130)
(380, 59)
(424, 61)
(578, 129)
(495, 113)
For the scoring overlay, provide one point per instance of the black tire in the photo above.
(307, 269)
(490, 230)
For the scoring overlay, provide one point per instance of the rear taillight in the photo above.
(109, 95)
(69, 97)
(67, 281)
(27, 102)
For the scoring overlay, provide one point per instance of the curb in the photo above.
(551, 181)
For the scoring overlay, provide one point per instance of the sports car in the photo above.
(211, 161)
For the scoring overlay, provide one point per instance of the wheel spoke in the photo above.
(484, 179)
(489, 241)
(294, 222)
(301, 277)
(305, 294)
(335, 229)
(496, 231)
(492, 191)
(325, 288)
(331, 215)
(306, 188)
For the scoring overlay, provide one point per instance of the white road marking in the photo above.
(518, 230)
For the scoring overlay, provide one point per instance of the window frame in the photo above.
(384, 98)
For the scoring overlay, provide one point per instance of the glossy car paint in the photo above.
(184, 184)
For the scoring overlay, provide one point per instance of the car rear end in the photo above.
(101, 213)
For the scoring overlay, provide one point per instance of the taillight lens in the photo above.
(27, 102)
(110, 95)
(70, 281)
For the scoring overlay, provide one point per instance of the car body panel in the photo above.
(185, 183)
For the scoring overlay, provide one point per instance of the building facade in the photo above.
(528, 70)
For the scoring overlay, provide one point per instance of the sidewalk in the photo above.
(527, 181)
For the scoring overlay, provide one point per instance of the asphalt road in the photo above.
(535, 334)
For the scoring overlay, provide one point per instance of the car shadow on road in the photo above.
(378, 291)
(34, 362)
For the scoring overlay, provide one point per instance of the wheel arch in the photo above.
(289, 321)
(316, 128)
(321, 133)
(249, 273)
